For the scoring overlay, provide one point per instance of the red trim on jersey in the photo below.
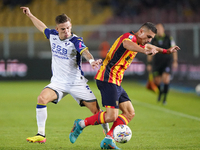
(110, 106)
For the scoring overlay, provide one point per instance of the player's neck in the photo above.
(62, 39)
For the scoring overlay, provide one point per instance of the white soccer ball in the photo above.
(197, 89)
(122, 133)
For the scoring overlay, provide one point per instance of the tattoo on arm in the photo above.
(87, 55)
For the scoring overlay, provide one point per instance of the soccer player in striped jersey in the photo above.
(109, 78)
(67, 49)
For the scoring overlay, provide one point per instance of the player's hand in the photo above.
(95, 64)
(152, 51)
(172, 49)
(26, 11)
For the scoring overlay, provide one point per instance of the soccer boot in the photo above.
(164, 103)
(104, 132)
(108, 144)
(36, 139)
(76, 130)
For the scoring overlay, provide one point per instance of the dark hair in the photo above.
(62, 19)
(150, 26)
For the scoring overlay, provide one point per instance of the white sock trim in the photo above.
(82, 123)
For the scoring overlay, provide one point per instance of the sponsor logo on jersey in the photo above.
(67, 43)
(54, 38)
(57, 49)
(81, 45)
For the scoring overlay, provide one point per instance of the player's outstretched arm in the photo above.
(88, 56)
(173, 49)
(161, 50)
(127, 44)
(38, 24)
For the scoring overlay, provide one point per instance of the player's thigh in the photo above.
(47, 95)
(111, 114)
(166, 78)
(59, 90)
(82, 93)
(110, 94)
(126, 107)
(157, 79)
(93, 106)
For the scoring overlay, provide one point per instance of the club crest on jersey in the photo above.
(54, 38)
(81, 45)
(130, 37)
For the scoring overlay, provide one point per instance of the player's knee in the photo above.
(95, 111)
(111, 118)
(130, 115)
(42, 100)
(92, 106)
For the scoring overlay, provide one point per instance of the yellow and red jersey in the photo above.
(117, 60)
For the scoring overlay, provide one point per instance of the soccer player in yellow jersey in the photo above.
(109, 78)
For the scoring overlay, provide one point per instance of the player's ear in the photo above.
(141, 32)
(56, 28)
(71, 25)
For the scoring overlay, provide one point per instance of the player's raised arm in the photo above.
(38, 24)
(88, 56)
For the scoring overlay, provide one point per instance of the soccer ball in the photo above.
(122, 133)
(197, 89)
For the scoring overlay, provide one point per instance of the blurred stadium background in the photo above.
(25, 53)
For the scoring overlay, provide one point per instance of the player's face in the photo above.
(145, 36)
(64, 30)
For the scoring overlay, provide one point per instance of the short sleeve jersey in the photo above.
(118, 59)
(66, 58)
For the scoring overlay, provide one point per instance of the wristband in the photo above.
(91, 60)
(164, 51)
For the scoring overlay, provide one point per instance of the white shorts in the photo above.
(81, 92)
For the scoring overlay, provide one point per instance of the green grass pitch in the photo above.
(175, 126)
